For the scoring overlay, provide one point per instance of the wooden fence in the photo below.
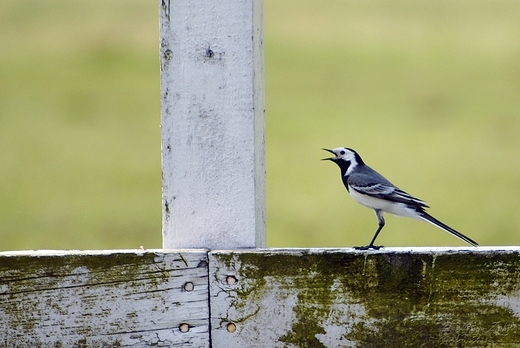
(219, 291)
(399, 297)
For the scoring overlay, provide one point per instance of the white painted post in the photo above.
(213, 157)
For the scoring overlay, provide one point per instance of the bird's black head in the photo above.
(345, 158)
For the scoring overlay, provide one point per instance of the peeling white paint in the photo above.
(510, 301)
(128, 298)
(345, 312)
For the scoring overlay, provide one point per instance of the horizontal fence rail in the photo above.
(104, 299)
(396, 297)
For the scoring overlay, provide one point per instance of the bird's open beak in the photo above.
(329, 158)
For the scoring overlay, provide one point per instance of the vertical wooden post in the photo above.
(213, 158)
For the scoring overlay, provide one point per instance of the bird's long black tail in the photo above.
(428, 218)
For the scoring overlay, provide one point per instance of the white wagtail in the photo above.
(371, 189)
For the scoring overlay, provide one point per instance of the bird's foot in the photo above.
(375, 247)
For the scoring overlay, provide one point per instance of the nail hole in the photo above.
(168, 54)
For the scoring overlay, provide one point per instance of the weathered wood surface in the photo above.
(398, 297)
(213, 152)
(104, 299)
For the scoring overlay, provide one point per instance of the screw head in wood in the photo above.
(188, 286)
(184, 327)
(231, 327)
(230, 280)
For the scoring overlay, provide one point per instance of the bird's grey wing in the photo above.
(375, 187)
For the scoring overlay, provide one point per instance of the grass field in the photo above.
(427, 92)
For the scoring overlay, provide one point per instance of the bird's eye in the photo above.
(342, 152)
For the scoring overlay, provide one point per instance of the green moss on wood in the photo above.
(409, 299)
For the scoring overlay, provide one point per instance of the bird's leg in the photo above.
(381, 222)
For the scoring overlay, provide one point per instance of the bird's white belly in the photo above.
(398, 209)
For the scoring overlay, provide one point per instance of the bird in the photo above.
(371, 189)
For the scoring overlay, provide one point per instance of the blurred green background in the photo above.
(427, 92)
